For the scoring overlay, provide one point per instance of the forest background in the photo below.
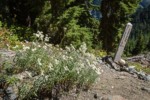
(98, 23)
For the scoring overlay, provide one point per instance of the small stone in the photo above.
(1, 93)
(100, 61)
(132, 70)
(109, 60)
(141, 75)
(146, 89)
(135, 75)
(12, 97)
(148, 77)
(112, 87)
(9, 90)
(131, 66)
(1, 98)
(95, 96)
(122, 62)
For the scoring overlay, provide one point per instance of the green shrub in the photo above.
(9, 40)
(55, 66)
(52, 67)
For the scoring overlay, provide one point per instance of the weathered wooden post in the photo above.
(123, 42)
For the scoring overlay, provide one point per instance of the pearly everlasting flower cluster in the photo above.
(25, 48)
(41, 37)
(39, 61)
(83, 48)
(55, 64)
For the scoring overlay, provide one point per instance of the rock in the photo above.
(148, 77)
(12, 97)
(9, 90)
(147, 56)
(131, 70)
(122, 62)
(1, 98)
(10, 93)
(146, 89)
(109, 60)
(1, 92)
(95, 96)
(99, 59)
(141, 75)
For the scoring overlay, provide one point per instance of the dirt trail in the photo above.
(114, 83)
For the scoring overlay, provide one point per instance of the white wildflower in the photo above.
(82, 65)
(46, 39)
(34, 49)
(39, 61)
(34, 43)
(50, 66)
(8, 46)
(39, 35)
(45, 47)
(98, 71)
(93, 66)
(26, 41)
(67, 48)
(93, 57)
(39, 46)
(72, 47)
(83, 48)
(56, 61)
(88, 62)
(25, 47)
(49, 45)
(46, 77)
(15, 46)
(66, 68)
(42, 72)
(70, 58)
(78, 70)
(57, 46)
(88, 55)
(95, 63)
(64, 57)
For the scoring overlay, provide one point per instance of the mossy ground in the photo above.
(139, 67)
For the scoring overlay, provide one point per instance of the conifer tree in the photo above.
(140, 45)
(148, 45)
(115, 14)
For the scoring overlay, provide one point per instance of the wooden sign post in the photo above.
(123, 42)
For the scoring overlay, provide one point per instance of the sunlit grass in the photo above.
(139, 67)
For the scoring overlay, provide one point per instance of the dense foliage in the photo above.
(66, 22)
(72, 22)
(140, 36)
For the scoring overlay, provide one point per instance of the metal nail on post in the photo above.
(123, 42)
